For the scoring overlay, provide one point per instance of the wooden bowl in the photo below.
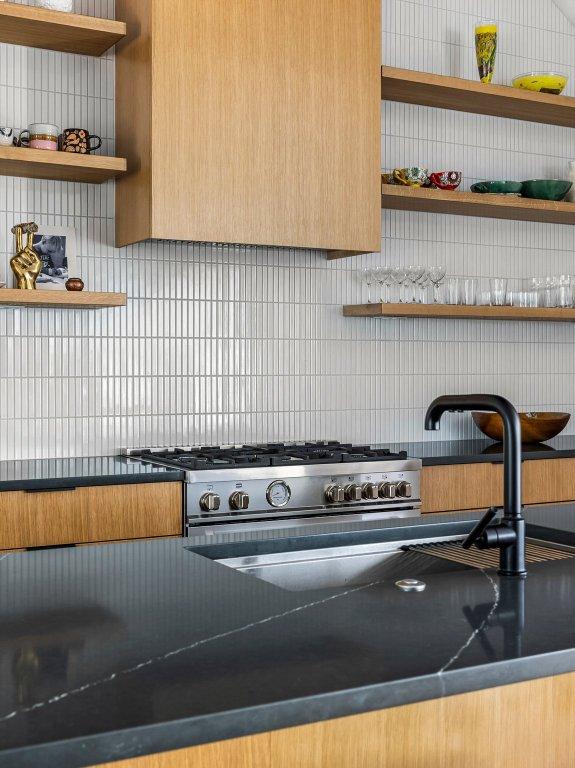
(535, 427)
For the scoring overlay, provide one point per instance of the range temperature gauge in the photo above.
(278, 494)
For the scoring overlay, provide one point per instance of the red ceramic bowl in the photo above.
(447, 180)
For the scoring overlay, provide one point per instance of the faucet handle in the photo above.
(480, 528)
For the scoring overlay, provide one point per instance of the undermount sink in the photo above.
(344, 566)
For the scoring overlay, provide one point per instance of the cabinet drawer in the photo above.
(477, 486)
(81, 515)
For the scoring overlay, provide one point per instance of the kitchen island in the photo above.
(114, 652)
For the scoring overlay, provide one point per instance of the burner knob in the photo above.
(353, 492)
(210, 502)
(404, 490)
(335, 494)
(387, 490)
(370, 491)
(239, 500)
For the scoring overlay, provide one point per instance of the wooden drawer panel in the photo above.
(477, 486)
(100, 513)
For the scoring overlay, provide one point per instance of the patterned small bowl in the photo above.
(412, 177)
(447, 180)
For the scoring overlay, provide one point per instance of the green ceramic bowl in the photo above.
(546, 189)
(498, 187)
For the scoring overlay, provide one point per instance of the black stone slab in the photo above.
(50, 474)
(118, 651)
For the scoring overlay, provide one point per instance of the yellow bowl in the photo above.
(542, 82)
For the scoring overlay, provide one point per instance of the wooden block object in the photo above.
(257, 122)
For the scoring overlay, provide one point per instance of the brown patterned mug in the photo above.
(79, 140)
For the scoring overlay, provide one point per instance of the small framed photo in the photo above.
(56, 247)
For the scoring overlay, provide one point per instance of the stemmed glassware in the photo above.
(436, 276)
(414, 274)
(368, 277)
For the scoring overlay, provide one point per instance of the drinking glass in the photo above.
(424, 283)
(551, 286)
(367, 275)
(436, 276)
(469, 291)
(453, 291)
(498, 291)
(399, 278)
(564, 291)
(414, 273)
(382, 277)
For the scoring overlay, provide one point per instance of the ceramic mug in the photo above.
(40, 136)
(79, 140)
(6, 137)
(411, 177)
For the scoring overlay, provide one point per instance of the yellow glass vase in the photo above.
(486, 49)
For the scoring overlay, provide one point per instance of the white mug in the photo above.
(6, 137)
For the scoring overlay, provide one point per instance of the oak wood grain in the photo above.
(14, 297)
(95, 514)
(478, 486)
(398, 198)
(526, 725)
(61, 166)
(58, 31)
(456, 311)
(274, 117)
(455, 93)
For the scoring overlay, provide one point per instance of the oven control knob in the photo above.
(353, 492)
(335, 494)
(210, 502)
(370, 491)
(239, 500)
(387, 490)
(404, 490)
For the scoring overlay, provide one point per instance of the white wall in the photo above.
(223, 344)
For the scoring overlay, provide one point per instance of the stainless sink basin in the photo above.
(353, 565)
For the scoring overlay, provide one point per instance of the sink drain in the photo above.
(410, 585)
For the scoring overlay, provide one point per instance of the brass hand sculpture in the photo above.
(26, 264)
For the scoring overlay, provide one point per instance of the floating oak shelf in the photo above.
(473, 204)
(455, 312)
(430, 90)
(12, 297)
(60, 166)
(57, 31)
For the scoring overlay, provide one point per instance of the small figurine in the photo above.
(26, 264)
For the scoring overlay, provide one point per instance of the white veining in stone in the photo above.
(480, 628)
(204, 641)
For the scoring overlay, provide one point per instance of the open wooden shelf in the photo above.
(458, 312)
(431, 90)
(427, 200)
(12, 297)
(57, 31)
(61, 166)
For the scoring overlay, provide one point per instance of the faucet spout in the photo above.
(509, 535)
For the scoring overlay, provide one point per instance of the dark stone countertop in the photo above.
(442, 452)
(50, 474)
(118, 651)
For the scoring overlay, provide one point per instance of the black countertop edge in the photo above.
(476, 451)
(136, 742)
(69, 483)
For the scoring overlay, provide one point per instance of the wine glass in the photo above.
(414, 273)
(367, 276)
(383, 276)
(437, 276)
(399, 275)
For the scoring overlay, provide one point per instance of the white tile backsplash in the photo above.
(223, 344)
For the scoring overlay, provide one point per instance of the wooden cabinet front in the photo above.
(100, 513)
(478, 486)
(254, 122)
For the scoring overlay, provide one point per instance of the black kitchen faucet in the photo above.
(508, 534)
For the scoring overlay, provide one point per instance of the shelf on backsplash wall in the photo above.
(59, 166)
(458, 312)
(12, 297)
(427, 200)
(429, 90)
(58, 31)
